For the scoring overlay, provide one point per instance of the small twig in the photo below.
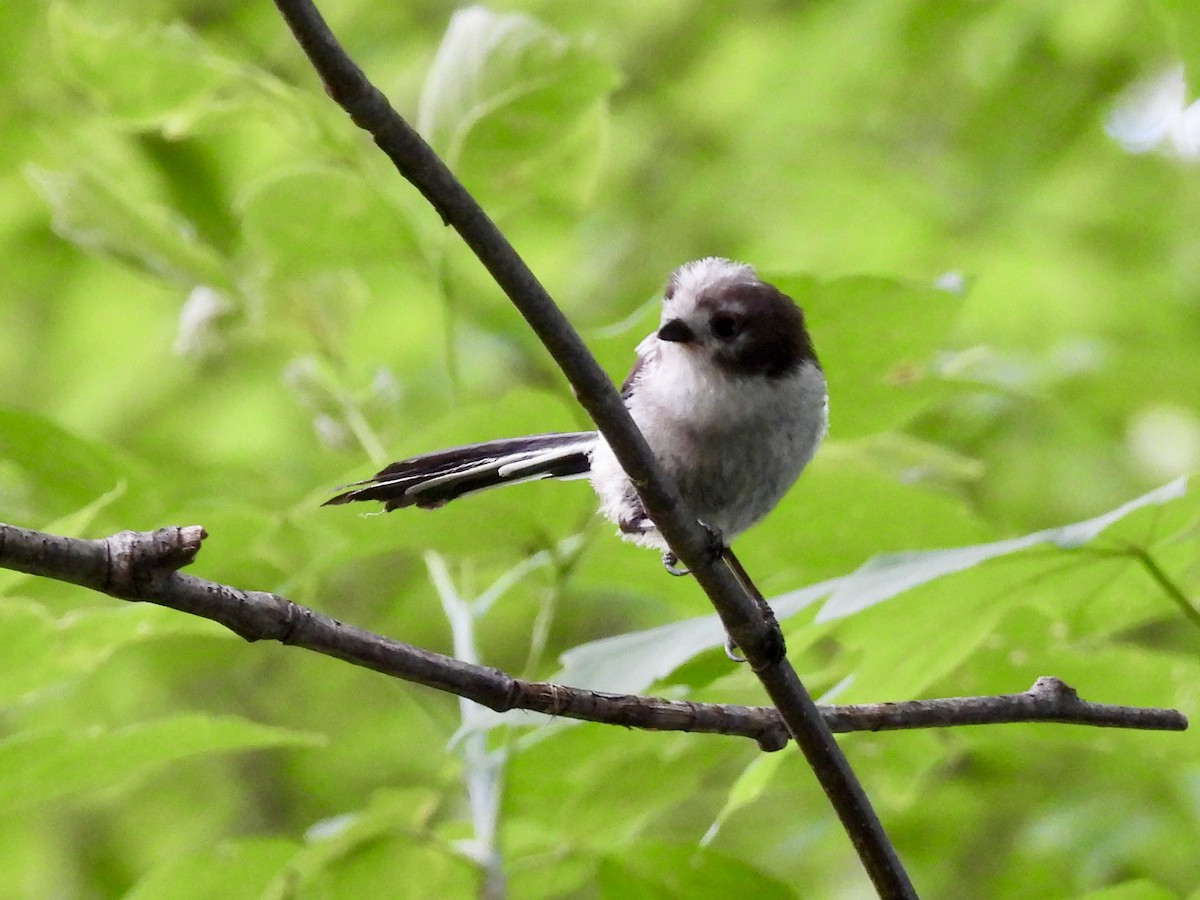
(141, 566)
(757, 637)
(1049, 700)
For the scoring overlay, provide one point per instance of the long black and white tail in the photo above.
(434, 479)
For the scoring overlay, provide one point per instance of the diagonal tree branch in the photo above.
(143, 566)
(743, 618)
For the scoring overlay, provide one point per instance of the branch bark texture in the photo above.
(143, 566)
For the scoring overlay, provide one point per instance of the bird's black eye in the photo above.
(725, 326)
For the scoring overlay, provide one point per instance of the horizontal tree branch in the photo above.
(143, 566)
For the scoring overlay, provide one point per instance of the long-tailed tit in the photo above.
(728, 393)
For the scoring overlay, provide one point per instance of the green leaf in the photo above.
(236, 870)
(504, 93)
(751, 784)
(61, 468)
(44, 651)
(847, 507)
(615, 879)
(1141, 889)
(38, 767)
(322, 220)
(835, 514)
(146, 75)
(1183, 20)
(93, 209)
(876, 338)
(29, 637)
(77, 523)
(629, 663)
(659, 869)
(954, 607)
(387, 812)
(387, 842)
(886, 576)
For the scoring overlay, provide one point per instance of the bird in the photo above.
(727, 391)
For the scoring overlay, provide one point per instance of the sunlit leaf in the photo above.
(239, 870)
(322, 219)
(504, 93)
(46, 652)
(749, 786)
(329, 841)
(659, 869)
(876, 338)
(95, 213)
(63, 470)
(42, 766)
(906, 644)
(1141, 889)
(160, 76)
(887, 576)
(386, 842)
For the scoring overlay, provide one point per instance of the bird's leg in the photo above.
(777, 649)
(671, 563)
(637, 522)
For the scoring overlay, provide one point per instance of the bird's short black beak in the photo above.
(676, 331)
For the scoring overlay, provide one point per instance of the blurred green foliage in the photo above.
(218, 301)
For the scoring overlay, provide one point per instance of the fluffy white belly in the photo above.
(732, 460)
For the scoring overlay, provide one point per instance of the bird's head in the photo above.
(721, 311)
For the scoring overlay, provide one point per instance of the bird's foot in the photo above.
(671, 563)
(713, 550)
(731, 650)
